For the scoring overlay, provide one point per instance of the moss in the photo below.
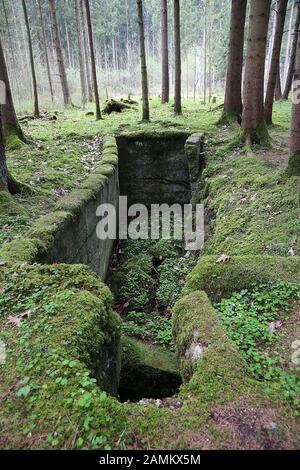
(294, 165)
(229, 118)
(147, 371)
(110, 159)
(71, 336)
(133, 282)
(8, 205)
(14, 137)
(105, 169)
(20, 251)
(95, 182)
(46, 228)
(220, 280)
(253, 210)
(75, 201)
(196, 325)
(258, 136)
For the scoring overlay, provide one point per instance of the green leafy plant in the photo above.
(250, 319)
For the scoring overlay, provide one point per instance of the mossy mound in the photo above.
(114, 106)
(67, 343)
(220, 280)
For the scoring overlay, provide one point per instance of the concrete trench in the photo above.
(151, 170)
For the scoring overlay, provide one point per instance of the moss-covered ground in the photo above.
(56, 319)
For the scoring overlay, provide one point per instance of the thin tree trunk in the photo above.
(93, 63)
(278, 90)
(46, 51)
(3, 166)
(177, 46)
(127, 35)
(281, 7)
(233, 93)
(59, 55)
(7, 182)
(288, 44)
(34, 82)
(205, 55)
(290, 73)
(78, 7)
(146, 112)
(86, 55)
(253, 122)
(164, 52)
(294, 161)
(9, 118)
(12, 50)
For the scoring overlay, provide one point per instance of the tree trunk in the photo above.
(278, 90)
(9, 118)
(253, 122)
(177, 46)
(144, 74)
(205, 54)
(164, 52)
(294, 162)
(7, 182)
(288, 43)
(290, 73)
(78, 7)
(86, 56)
(34, 82)
(59, 55)
(3, 166)
(127, 35)
(233, 93)
(281, 7)
(46, 51)
(93, 63)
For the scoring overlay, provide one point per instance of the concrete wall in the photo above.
(78, 242)
(154, 170)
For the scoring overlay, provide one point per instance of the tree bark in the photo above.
(290, 73)
(294, 161)
(144, 74)
(46, 51)
(233, 93)
(253, 122)
(86, 56)
(289, 41)
(3, 166)
(281, 7)
(93, 63)
(278, 90)
(9, 118)
(78, 7)
(59, 55)
(164, 52)
(34, 82)
(177, 46)
(7, 182)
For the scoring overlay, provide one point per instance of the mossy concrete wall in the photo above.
(154, 170)
(68, 234)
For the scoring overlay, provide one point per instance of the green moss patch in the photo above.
(220, 280)
(66, 342)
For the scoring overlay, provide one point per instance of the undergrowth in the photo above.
(258, 322)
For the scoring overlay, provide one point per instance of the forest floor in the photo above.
(254, 219)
